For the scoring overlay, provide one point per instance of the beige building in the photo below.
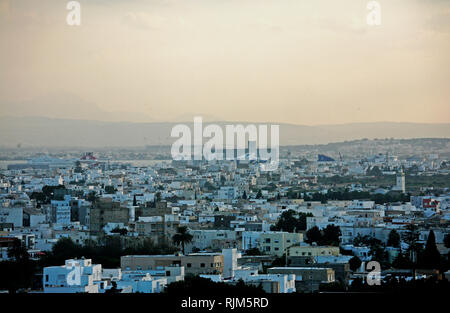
(104, 211)
(195, 263)
(160, 209)
(307, 279)
(157, 230)
(276, 243)
(313, 251)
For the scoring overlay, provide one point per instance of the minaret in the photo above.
(401, 182)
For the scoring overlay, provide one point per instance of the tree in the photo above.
(18, 272)
(38, 196)
(182, 237)
(92, 196)
(402, 261)
(355, 263)
(431, 257)
(289, 223)
(64, 249)
(106, 250)
(379, 254)
(377, 248)
(394, 239)
(18, 251)
(313, 235)
(158, 196)
(110, 189)
(331, 235)
(121, 231)
(253, 251)
(49, 192)
(447, 240)
(244, 195)
(359, 240)
(411, 238)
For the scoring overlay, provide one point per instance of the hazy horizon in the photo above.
(283, 61)
(58, 132)
(209, 121)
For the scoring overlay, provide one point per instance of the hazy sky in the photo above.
(294, 61)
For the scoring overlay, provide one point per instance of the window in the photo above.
(267, 240)
(189, 265)
(276, 248)
(202, 264)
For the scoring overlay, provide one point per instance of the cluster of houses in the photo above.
(228, 207)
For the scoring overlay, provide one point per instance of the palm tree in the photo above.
(411, 238)
(182, 237)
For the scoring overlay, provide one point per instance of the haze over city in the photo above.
(298, 62)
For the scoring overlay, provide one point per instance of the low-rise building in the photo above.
(307, 279)
(313, 251)
(75, 276)
(195, 263)
(276, 243)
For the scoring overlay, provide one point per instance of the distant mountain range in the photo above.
(63, 105)
(56, 132)
(66, 105)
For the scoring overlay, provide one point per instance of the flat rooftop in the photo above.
(299, 268)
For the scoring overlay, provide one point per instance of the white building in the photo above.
(75, 276)
(12, 215)
(230, 257)
(227, 193)
(141, 281)
(60, 211)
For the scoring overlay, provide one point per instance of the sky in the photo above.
(285, 61)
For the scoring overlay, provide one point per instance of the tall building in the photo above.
(401, 182)
(106, 211)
